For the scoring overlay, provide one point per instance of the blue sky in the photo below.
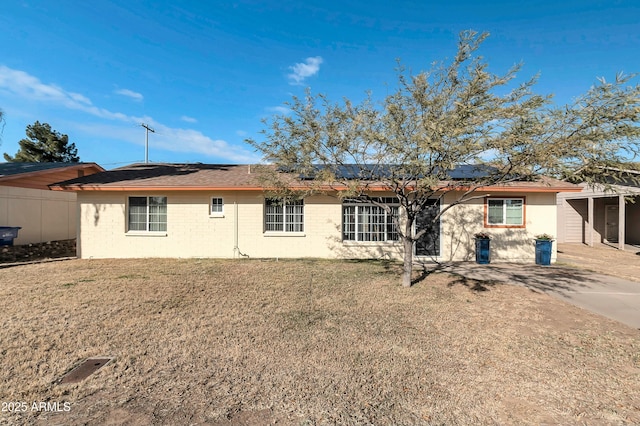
(204, 73)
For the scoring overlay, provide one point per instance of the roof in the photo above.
(10, 169)
(238, 177)
(161, 176)
(41, 175)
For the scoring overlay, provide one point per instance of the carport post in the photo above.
(590, 219)
(621, 221)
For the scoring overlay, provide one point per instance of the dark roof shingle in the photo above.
(161, 175)
(198, 176)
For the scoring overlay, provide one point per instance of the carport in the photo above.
(596, 215)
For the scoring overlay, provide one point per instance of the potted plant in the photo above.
(483, 252)
(544, 244)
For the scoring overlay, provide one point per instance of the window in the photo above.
(504, 212)
(368, 222)
(148, 214)
(217, 206)
(429, 243)
(283, 215)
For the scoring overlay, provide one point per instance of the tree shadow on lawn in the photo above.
(546, 279)
(388, 266)
(394, 267)
(471, 284)
(478, 285)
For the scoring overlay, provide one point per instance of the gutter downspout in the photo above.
(235, 228)
(236, 249)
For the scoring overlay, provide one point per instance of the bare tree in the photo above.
(2, 122)
(414, 142)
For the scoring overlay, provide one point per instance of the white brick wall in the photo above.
(191, 232)
(508, 244)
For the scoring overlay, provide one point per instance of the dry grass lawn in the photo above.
(303, 342)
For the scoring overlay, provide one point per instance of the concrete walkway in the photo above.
(612, 297)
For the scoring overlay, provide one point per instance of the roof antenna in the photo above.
(146, 141)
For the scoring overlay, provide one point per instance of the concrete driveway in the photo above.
(612, 297)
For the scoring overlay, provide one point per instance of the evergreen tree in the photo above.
(44, 145)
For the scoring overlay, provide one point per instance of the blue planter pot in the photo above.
(543, 252)
(483, 253)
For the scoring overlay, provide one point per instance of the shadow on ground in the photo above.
(555, 279)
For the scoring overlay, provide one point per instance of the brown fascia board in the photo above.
(39, 173)
(107, 188)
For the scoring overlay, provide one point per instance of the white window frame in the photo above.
(388, 221)
(148, 215)
(215, 213)
(504, 223)
(286, 214)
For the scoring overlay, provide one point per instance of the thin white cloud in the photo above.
(188, 119)
(79, 98)
(279, 110)
(169, 139)
(130, 94)
(241, 133)
(305, 69)
(25, 85)
(189, 140)
(29, 87)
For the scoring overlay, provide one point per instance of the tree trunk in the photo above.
(407, 242)
(408, 262)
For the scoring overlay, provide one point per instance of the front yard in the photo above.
(224, 342)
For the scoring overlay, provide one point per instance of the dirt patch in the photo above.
(225, 342)
(249, 418)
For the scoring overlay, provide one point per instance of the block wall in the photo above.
(43, 215)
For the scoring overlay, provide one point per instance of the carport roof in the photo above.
(41, 175)
(19, 168)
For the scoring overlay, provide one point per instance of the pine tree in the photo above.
(44, 145)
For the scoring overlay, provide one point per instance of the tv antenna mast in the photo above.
(146, 141)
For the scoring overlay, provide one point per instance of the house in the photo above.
(215, 210)
(27, 202)
(601, 214)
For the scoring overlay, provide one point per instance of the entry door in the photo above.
(611, 222)
(429, 243)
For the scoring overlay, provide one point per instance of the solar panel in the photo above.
(381, 171)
